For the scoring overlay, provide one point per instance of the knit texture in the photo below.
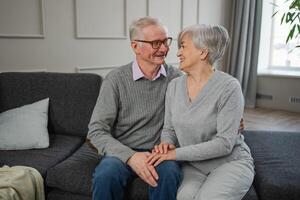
(128, 114)
(206, 129)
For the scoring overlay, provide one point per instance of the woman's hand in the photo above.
(163, 148)
(242, 126)
(156, 157)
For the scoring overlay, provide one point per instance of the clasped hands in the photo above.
(160, 153)
(144, 163)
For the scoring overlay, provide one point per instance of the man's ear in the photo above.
(135, 47)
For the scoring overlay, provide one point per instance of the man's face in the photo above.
(146, 54)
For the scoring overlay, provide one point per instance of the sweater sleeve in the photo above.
(230, 110)
(102, 122)
(168, 133)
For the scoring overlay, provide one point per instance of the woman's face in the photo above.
(189, 56)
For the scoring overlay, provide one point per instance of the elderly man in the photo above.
(128, 118)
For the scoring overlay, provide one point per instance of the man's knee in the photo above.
(169, 169)
(109, 171)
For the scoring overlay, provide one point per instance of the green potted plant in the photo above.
(289, 11)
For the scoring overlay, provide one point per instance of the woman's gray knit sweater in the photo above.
(206, 129)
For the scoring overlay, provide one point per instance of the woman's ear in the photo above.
(204, 54)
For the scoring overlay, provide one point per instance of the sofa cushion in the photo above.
(61, 146)
(75, 173)
(137, 190)
(277, 161)
(251, 194)
(74, 176)
(56, 194)
(25, 127)
(72, 97)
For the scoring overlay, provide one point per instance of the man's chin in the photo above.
(160, 61)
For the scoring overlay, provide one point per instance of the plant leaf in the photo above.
(295, 4)
(282, 18)
(291, 34)
(297, 16)
(273, 4)
(275, 13)
(289, 17)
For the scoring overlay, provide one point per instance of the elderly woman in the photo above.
(203, 111)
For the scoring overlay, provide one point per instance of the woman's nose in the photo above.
(178, 53)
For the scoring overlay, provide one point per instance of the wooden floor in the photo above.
(269, 119)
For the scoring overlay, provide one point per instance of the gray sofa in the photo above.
(67, 165)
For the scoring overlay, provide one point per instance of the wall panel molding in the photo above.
(190, 10)
(22, 19)
(101, 70)
(42, 69)
(171, 16)
(136, 9)
(101, 19)
(198, 11)
(147, 6)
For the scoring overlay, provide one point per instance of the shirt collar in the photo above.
(138, 74)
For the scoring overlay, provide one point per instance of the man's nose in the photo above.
(162, 48)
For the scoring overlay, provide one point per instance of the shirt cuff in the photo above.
(125, 155)
(182, 154)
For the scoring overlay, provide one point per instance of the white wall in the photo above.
(62, 35)
(276, 92)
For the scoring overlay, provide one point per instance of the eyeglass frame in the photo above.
(165, 42)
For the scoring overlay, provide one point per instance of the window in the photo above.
(283, 55)
(274, 53)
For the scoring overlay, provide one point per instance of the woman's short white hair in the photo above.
(139, 24)
(213, 38)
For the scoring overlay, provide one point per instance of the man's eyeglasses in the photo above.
(157, 43)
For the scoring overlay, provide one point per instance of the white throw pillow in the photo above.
(25, 127)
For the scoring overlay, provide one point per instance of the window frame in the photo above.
(265, 66)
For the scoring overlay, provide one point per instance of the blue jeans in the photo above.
(112, 175)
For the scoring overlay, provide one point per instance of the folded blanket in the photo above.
(21, 183)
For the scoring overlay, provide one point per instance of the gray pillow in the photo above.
(25, 127)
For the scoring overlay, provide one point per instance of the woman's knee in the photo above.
(233, 180)
(186, 193)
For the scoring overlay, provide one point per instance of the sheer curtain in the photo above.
(243, 52)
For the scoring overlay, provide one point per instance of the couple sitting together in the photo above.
(178, 132)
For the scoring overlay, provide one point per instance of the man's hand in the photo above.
(145, 171)
(163, 148)
(156, 158)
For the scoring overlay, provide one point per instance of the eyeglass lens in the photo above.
(156, 44)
